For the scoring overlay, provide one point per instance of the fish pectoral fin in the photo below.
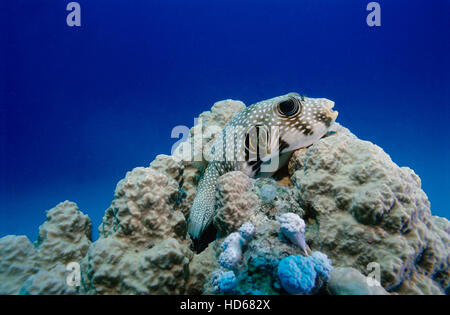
(270, 167)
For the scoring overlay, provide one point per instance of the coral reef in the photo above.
(339, 213)
(359, 208)
(236, 202)
(363, 208)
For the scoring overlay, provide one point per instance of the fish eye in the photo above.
(289, 107)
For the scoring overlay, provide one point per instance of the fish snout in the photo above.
(329, 112)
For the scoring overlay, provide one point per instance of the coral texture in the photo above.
(297, 274)
(247, 230)
(227, 282)
(236, 202)
(18, 260)
(232, 251)
(258, 259)
(300, 275)
(322, 265)
(201, 271)
(64, 238)
(51, 282)
(114, 266)
(142, 247)
(144, 209)
(367, 209)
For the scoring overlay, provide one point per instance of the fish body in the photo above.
(258, 141)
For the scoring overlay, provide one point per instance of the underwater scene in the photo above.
(227, 148)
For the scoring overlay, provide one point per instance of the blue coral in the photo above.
(232, 251)
(227, 282)
(247, 230)
(297, 274)
(322, 265)
(232, 246)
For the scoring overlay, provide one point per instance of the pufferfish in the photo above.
(258, 141)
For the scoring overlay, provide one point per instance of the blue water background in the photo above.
(81, 106)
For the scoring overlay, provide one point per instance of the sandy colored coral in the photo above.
(65, 236)
(49, 282)
(170, 166)
(144, 210)
(114, 266)
(185, 176)
(200, 268)
(142, 247)
(18, 260)
(236, 202)
(40, 269)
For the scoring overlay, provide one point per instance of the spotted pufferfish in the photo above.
(258, 141)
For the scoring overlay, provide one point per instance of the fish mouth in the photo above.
(329, 112)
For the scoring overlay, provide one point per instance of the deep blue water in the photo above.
(81, 106)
